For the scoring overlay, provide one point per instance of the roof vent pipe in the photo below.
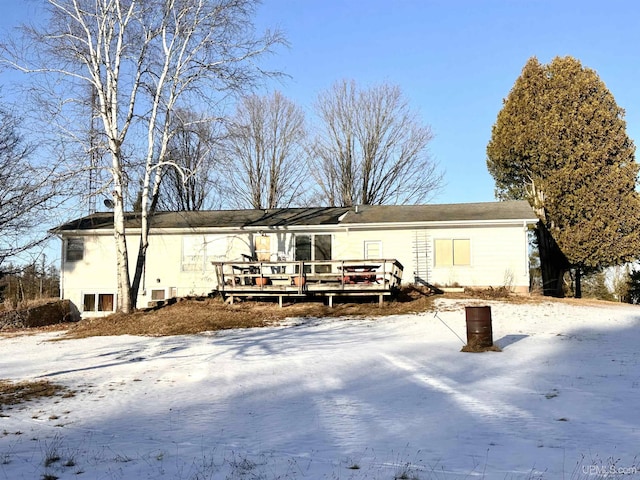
(356, 209)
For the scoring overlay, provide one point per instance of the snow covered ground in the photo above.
(338, 399)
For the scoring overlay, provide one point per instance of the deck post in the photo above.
(280, 300)
(380, 300)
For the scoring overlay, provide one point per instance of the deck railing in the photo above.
(309, 276)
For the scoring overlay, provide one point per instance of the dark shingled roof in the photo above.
(512, 210)
(216, 218)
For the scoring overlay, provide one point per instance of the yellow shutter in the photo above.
(461, 252)
(443, 252)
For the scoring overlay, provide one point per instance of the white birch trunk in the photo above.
(156, 49)
(122, 258)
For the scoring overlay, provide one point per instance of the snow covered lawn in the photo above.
(338, 399)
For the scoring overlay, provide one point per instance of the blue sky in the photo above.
(455, 60)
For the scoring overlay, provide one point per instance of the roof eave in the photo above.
(337, 226)
(444, 223)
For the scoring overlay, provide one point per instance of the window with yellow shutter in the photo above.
(450, 252)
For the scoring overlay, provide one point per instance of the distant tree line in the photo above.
(20, 285)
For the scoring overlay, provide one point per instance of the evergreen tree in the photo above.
(595, 286)
(634, 287)
(560, 142)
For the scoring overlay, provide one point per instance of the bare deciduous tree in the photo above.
(372, 149)
(195, 185)
(26, 191)
(141, 58)
(264, 153)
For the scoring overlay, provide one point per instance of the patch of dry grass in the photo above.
(14, 393)
(210, 314)
(9, 304)
(471, 348)
(192, 316)
(499, 294)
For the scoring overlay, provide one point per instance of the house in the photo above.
(474, 245)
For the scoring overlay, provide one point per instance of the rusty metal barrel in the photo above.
(479, 330)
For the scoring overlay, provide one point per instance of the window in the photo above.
(322, 247)
(452, 252)
(372, 249)
(303, 247)
(75, 249)
(89, 303)
(199, 251)
(193, 253)
(103, 301)
(314, 247)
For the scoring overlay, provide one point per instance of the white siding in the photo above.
(167, 253)
(498, 254)
(96, 272)
(498, 257)
(93, 275)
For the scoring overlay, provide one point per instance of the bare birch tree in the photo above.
(372, 148)
(264, 153)
(143, 58)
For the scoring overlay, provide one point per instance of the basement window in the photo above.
(98, 302)
(89, 303)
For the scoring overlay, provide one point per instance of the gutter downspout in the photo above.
(62, 259)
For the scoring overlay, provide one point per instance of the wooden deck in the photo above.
(326, 278)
